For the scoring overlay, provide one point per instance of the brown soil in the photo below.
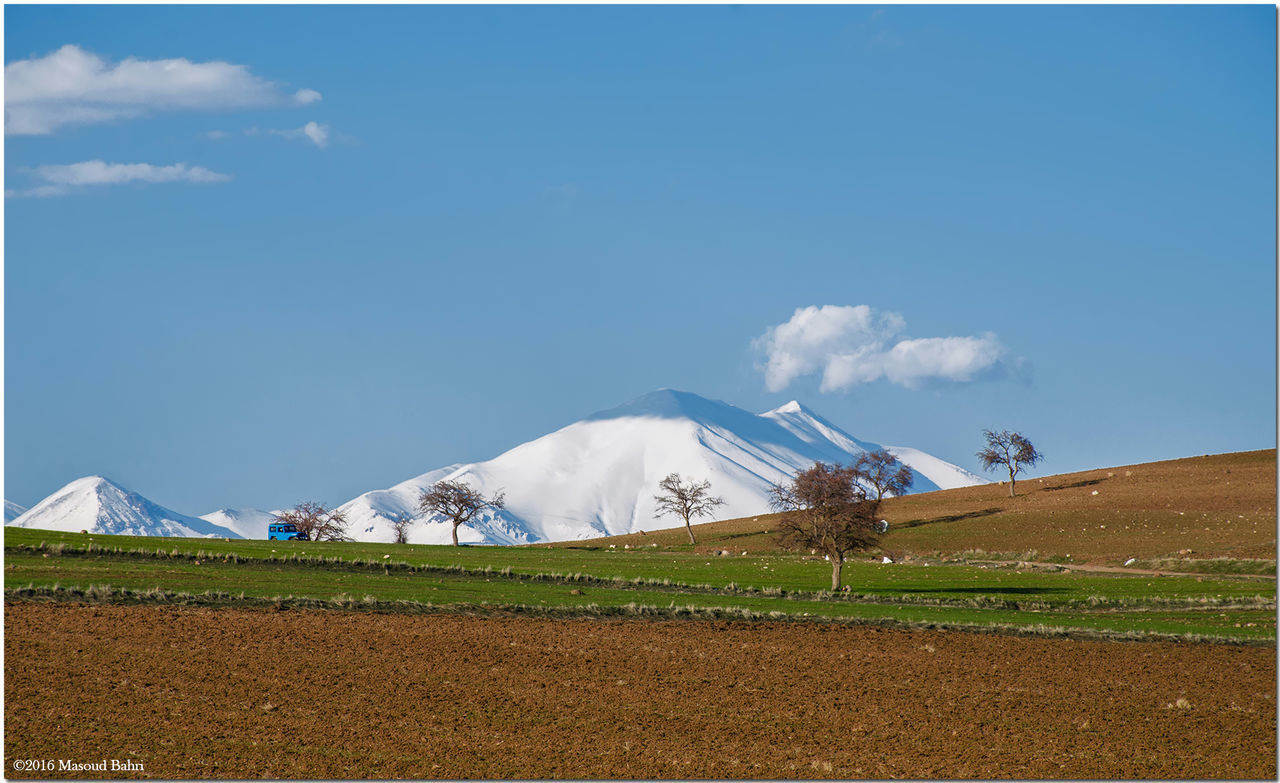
(1222, 505)
(198, 693)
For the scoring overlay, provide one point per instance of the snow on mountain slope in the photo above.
(598, 476)
(98, 505)
(931, 473)
(942, 475)
(244, 522)
(12, 511)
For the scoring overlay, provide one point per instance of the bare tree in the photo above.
(316, 522)
(884, 472)
(685, 500)
(400, 524)
(1011, 450)
(458, 502)
(830, 512)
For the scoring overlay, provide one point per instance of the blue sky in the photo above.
(403, 237)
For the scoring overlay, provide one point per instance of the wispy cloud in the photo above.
(318, 134)
(874, 34)
(75, 87)
(856, 345)
(63, 179)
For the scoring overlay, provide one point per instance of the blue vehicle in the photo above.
(284, 531)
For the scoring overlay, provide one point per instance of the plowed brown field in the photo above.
(222, 693)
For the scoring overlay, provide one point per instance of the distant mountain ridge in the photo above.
(245, 522)
(591, 478)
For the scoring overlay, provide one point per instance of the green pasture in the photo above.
(267, 580)
(790, 573)
(788, 585)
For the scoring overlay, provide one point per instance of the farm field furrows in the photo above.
(196, 692)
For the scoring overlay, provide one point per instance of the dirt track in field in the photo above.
(197, 693)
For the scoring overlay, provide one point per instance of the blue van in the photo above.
(284, 531)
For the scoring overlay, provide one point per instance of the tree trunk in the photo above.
(689, 529)
(455, 533)
(1012, 483)
(836, 562)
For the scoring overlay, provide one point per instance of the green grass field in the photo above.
(790, 586)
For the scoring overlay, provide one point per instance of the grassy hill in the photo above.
(1197, 508)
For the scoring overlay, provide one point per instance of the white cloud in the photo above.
(61, 180)
(857, 345)
(74, 87)
(40, 191)
(317, 133)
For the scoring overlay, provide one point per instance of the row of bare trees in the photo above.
(837, 513)
(874, 471)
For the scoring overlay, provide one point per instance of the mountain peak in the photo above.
(87, 482)
(95, 485)
(791, 407)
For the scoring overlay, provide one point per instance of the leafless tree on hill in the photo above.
(829, 512)
(315, 521)
(884, 472)
(1011, 450)
(685, 500)
(457, 502)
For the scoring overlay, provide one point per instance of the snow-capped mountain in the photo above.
(98, 505)
(598, 476)
(12, 511)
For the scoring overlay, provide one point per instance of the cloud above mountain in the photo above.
(72, 86)
(853, 345)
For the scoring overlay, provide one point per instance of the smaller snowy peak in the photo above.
(245, 522)
(811, 428)
(791, 407)
(12, 511)
(931, 473)
(99, 505)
